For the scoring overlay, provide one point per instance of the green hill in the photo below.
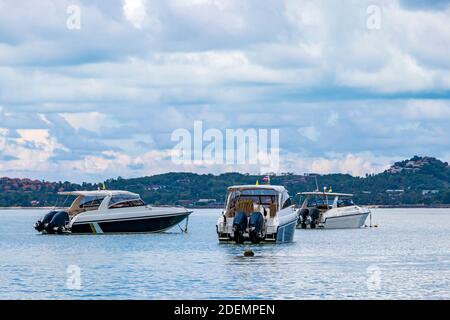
(418, 181)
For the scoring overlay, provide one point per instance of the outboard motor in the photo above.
(256, 227)
(239, 226)
(53, 222)
(315, 214)
(303, 217)
(40, 225)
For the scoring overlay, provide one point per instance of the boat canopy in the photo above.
(278, 189)
(331, 194)
(98, 193)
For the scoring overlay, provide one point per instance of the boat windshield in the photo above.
(257, 192)
(85, 203)
(259, 196)
(125, 201)
(319, 202)
(244, 200)
(91, 202)
(345, 203)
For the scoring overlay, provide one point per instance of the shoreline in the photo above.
(418, 206)
(413, 206)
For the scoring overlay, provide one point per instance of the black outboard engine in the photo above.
(303, 217)
(239, 226)
(40, 225)
(256, 227)
(53, 222)
(315, 214)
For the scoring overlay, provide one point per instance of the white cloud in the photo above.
(401, 73)
(215, 16)
(354, 164)
(135, 12)
(92, 121)
(30, 151)
(351, 164)
(310, 132)
(138, 69)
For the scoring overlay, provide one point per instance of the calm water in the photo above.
(408, 256)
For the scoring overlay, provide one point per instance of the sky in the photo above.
(91, 90)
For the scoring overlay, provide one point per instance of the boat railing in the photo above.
(165, 206)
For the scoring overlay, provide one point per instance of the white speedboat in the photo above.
(330, 211)
(257, 214)
(108, 211)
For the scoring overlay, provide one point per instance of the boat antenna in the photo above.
(317, 184)
(56, 203)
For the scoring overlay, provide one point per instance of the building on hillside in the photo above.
(200, 201)
(429, 192)
(395, 191)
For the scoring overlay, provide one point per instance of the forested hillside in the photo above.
(420, 180)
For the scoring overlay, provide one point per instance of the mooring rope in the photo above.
(185, 230)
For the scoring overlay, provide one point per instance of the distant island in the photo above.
(420, 181)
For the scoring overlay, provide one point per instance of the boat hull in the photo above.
(130, 225)
(284, 234)
(352, 221)
(351, 217)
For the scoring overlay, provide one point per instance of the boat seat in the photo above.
(245, 205)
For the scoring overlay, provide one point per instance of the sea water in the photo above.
(406, 257)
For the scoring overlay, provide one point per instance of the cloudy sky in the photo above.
(352, 87)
